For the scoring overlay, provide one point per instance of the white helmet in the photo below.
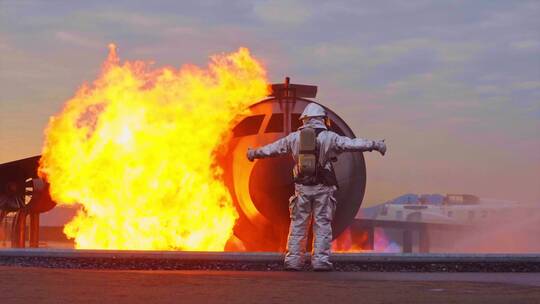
(313, 110)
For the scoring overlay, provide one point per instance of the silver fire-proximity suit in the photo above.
(317, 198)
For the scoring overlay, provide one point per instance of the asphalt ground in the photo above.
(42, 285)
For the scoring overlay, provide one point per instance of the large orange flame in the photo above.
(137, 149)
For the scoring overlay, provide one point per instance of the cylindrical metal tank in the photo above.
(261, 189)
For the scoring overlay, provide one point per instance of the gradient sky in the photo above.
(454, 86)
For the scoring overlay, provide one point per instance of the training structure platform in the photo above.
(120, 259)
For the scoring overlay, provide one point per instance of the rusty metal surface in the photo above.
(19, 169)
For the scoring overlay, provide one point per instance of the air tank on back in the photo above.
(261, 189)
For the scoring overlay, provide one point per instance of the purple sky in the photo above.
(454, 86)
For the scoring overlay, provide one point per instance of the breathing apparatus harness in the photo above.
(308, 169)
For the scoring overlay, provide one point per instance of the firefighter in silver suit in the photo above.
(315, 183)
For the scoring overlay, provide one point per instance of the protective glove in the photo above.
(380, 146)
(250, 154)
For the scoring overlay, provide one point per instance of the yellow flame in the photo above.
(138, 150)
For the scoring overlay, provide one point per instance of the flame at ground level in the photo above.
(137, 149)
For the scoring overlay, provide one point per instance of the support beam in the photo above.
(18, 230)
(424, 240)
(34, 230)
(371, 238)
(407, 241)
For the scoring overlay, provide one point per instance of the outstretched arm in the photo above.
(345, 144)
(279, 147)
